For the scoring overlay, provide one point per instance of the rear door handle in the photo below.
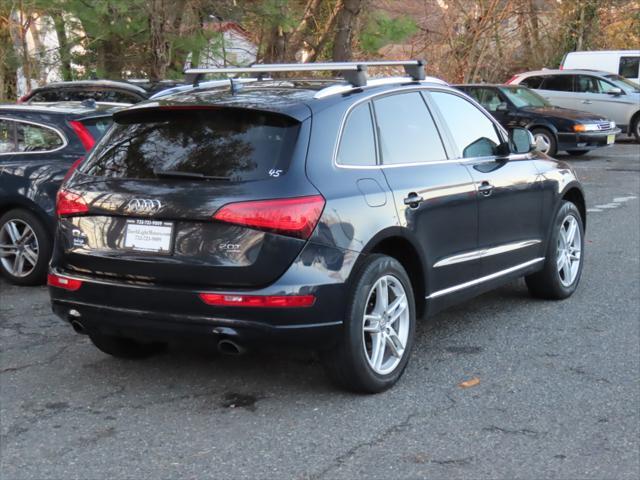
(485, 189)
(587, 102)
(413, 200)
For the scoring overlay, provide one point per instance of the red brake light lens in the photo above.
(72, 168)
(265, 301)
(512, 79)
(83, 134)
(23, 98)
(65, 283)
(69, 203)
(296, 217)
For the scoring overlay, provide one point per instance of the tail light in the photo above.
(69, 203)
(296, 217)
(73, 167)
(65, 283)
(511, 80)
(83, 134)
(23, 98)
(265, 301)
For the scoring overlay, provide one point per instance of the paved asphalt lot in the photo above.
(559, 392)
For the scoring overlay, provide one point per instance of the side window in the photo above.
(357, 145)
(7, 136)
(559, 83)
(532, 82)
(34, 138)
(629, 67)
(604, 86)
(587, 84)
(473, 132)
(407, 132)
(487, 97)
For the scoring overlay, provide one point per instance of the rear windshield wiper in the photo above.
(192, 175)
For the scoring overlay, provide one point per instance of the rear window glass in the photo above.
(629, 67)
(225, 144)
(70, 95)
(532, 82)
(97, 126)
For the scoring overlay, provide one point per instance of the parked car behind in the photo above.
(319, 213)
(38, 144)
(601, 93)
(554, 128)
(625, 63)
(105, 91)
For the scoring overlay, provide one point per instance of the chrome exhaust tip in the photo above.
(78, 327)
(229, 347)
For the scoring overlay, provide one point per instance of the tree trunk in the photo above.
(345, 26)
(63, 51)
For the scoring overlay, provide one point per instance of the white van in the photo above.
(625, 63)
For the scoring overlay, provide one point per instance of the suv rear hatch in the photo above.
(196, 197)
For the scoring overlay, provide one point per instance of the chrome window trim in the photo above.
(60, 133)
(486, 278)
(419, 89)
(485, 252)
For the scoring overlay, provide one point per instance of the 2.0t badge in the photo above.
(143, 205)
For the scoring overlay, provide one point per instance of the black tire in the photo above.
(547, 283)
(635, 127)
(551, 138)
(122, 347)
(38, 272)
(347, 364)
(577, 153)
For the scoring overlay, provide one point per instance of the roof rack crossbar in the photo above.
(354, 72)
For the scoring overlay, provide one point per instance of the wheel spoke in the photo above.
(372, 323)
(12, 229)
(396, 308)
(571, 231)
(8, 250)
(560, 261)
(18, 264)
(382, 295)
(377, 352)
(395, 345)
(30, 256)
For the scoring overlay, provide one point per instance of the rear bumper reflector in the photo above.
(63, 282)
(265, 301)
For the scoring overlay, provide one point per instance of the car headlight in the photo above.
(613, 124)
(586, 127)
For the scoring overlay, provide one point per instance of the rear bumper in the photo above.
(585, 141)
(150, 312)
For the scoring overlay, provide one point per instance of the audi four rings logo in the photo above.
(144, 205)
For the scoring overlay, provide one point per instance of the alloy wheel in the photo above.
(18, 248)
(385, 325)
(543, 142)
(569, 251)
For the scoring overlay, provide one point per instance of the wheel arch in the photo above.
(545, 125)
(395, 243)
(27, 204)
(574, 195)
(634, 118)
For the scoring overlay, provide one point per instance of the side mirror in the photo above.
(615, 91)
(521, 140)
(503, 107)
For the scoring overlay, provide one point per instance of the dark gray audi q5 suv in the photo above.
(325, 213)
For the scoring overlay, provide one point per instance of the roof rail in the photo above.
(354, 72)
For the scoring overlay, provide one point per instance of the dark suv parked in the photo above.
(38, 145)
(322, 213)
